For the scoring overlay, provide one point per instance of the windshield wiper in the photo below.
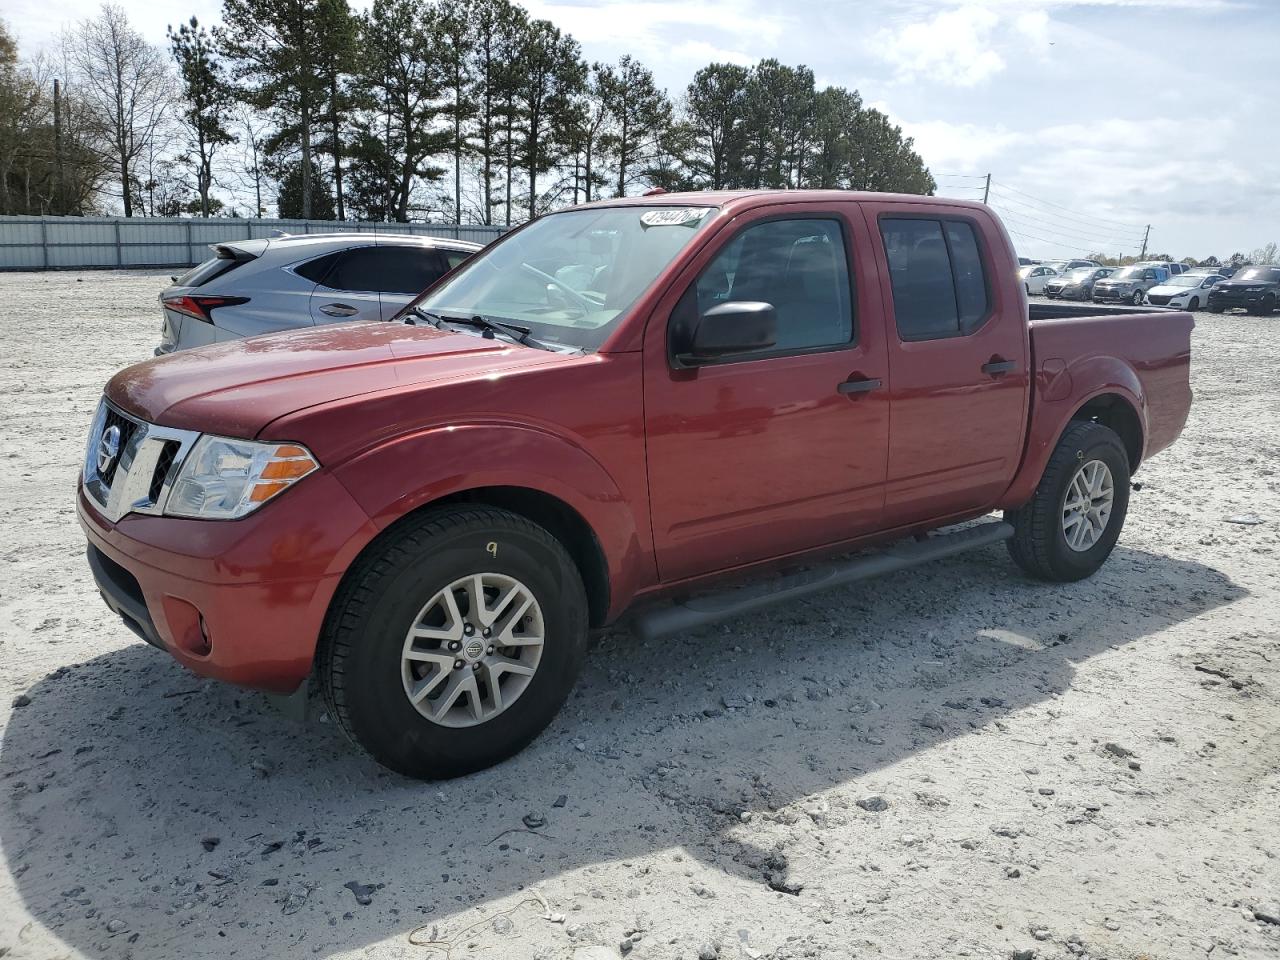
(493, 326)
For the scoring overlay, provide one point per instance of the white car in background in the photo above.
(260, 286)
(1035, 277)
(1186, 291)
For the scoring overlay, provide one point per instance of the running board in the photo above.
(712, 607)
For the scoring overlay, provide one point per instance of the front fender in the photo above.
(397, 477)
(1059, 394)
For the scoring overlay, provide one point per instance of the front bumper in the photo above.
(240, 600)
(1112, 293)
(1238, 301)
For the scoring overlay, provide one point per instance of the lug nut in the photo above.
(455, 645)
(490, 650)
(457, 664)
(468, 629)
(487, 631)
(475, 666)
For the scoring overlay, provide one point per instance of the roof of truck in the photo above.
(752, 198)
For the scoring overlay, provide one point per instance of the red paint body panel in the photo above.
(681, 474)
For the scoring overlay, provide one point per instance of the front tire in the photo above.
(470, 585)
(1074, 519)
(1136, 299)
(1195, 304)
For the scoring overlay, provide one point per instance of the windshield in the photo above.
(570, 276)
(1258, 273)
(1185, 280)
(1127, 273)
(1081, 273)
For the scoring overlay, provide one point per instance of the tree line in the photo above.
(467, 110)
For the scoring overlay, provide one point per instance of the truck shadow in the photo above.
(147, 813)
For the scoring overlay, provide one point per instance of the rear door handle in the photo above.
(997, 367)
(858, 386)
(339, 310)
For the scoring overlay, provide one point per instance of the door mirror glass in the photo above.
(735, 327)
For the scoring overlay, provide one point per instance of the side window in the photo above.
(354, 271)
(935, 269)
(455, 258)
(799, 266)
(966, 266)
(316, 270)
(409, 269)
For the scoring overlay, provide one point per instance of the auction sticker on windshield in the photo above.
(673, 217)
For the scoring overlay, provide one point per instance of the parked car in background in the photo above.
(1076, 284)
(1129, 284)
(1062, 266)
(1173, 269)
(1035, 277)
(260, 286)
(1188, 291)
(617, 402)
(1256, 289)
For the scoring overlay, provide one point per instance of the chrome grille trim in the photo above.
(133, 475)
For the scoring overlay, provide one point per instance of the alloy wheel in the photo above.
(472, 650)
(1087, 506)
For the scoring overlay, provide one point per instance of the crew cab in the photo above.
(635, 408)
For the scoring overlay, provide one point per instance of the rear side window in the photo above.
(937, 275)
(316, 270)
(455, 258)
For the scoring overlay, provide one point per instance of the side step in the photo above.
(708, 608)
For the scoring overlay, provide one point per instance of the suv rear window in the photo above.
(201, 274)
(936, 271)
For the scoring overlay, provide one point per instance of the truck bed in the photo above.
(1142, 354)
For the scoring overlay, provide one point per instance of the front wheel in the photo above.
(1136, 299)
(1213, 308)
(454, 641)
(1073, 520)
(1194, 304)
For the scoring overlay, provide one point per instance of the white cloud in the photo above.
(954, 47)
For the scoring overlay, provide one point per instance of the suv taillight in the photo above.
(201, 307)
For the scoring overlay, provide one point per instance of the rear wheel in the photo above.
(1071, 524)
(454, 641)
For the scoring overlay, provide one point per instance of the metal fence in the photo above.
(65, 243)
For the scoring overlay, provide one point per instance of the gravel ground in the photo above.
(953, 763)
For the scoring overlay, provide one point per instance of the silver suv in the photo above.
(1129, 284)
(260, 286)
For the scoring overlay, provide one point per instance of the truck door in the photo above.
(779, 449)
(958, 355)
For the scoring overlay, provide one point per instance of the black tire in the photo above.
(1216, 308)
(1195, 304)
(1136, 299)
(1039, 545)
(359, 658)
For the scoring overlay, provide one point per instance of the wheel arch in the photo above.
(1117, 412)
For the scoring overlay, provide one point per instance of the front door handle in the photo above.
(998, 368)
(858, 386)
(339, 310)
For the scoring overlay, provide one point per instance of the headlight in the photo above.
(225, 479)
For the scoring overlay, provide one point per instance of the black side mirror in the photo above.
(734, 327)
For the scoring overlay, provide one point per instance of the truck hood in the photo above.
(235, 389)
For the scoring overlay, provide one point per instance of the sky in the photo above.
(1094, 118)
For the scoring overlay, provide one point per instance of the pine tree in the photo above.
(206, 102)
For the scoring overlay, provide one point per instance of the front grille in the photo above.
(126, 428)
(168, 453)
(1158, 300)
(134, 480)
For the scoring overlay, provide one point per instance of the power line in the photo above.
(1078, 236)
(1103, 226)
(1048, 203)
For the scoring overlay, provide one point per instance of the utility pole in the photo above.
(986, 190)
(1143, 254)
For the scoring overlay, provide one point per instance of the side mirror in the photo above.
(734, 327)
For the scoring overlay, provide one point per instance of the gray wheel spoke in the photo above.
(462, 669)
(1086, 508)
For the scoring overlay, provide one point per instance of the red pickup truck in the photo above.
(634, 400)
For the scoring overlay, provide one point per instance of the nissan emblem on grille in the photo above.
(108, 448)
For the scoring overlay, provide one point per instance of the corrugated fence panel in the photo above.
(62, 243)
